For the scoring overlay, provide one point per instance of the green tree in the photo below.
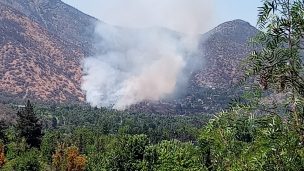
(27, 161)
(16, 145)
(49, 144)
(127, 153)
(173, 155)
(240, 140)
(3, 128)
(278, 64)
(28, 126)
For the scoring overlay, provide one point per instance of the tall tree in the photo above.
(29, 126)
(3, 128)
(279, 64)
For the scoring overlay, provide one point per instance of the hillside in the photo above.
(37, 63)
(224, 46)
(212, 87)
(43, 42)
(56, 17)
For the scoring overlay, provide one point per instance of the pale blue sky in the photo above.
(237, 9)
(136, 13)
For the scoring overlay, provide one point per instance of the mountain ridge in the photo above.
(220, 44)
(47, 13)
(32, 57)
(40, 63)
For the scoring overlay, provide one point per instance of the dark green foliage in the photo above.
(173, 155)
(28, 126)
(127, 153)
(28, 161)
(15, 145)
(54, 122)
(3, 128)
(271, 145)
(238, 139)
(49, 144)
(103, 121)
(279, 63)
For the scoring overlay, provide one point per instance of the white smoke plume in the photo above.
(135, 65)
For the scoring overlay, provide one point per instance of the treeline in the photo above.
(86, 138)
(157, 127)
(238, 139)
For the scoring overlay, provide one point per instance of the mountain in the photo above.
(224, 47)
(212, 87)
(42, 44)
(56, 17)
(215, 84)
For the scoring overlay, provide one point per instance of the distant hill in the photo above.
(42, 43)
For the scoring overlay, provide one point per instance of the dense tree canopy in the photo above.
(28, 125)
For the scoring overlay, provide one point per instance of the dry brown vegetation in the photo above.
(36, 63)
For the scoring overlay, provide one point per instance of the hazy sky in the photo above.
(127, 13)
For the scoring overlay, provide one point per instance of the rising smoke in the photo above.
(135, 65)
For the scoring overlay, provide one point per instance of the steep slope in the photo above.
(66, 22)
(224, 47)
(215, 84)
(36, 63)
